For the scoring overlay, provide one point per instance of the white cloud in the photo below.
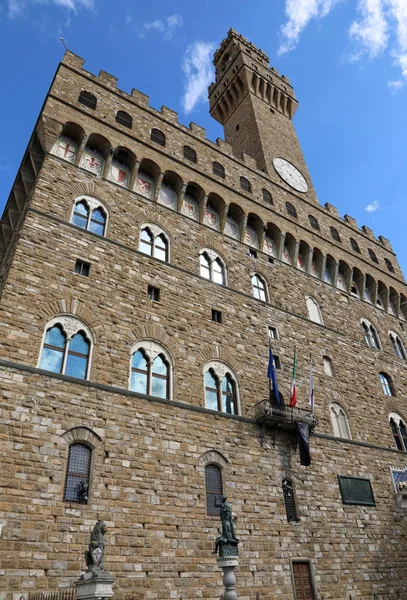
(167, 26)
(299, 14)
(379, 25)
(197, 67)
(17, 7)
(372, 207)
(395, 86)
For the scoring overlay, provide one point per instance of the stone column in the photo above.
(228, 566)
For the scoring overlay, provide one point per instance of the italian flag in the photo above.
(293, 396)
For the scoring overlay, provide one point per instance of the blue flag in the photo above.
(271, 374)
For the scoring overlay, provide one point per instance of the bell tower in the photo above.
(255, 105)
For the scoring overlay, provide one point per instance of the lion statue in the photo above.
(94, 557)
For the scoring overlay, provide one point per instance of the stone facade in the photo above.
(149, 454)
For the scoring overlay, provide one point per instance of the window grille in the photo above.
(335, 234)
(158, 137)
(78, 474)
(313, 222)
(245, 184)
(124, 119)
(354, 245)
(291, 210)
(82, 267)
(87, 99)
(214, 489)
(373, 256)
(218, 170)
(289, 501)
(190, 154)
(267, 197)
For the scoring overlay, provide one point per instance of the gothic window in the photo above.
(124, 119)
(218, 170)
(335, 234)
(291, 210)
(190, 154)
(157, 136)
(214, 488)
(259, 287)
(267, 197)
(387, 384)
(373, 256)
(371, 335)
(151, 370)
(313, 222)
(87, 99)
(314, 312)
(89, 214)
(340, 421)
(220, 389)
(328, 366)
(399, 431)
(212, 267)
(245, 184)
(154, 242)
(289, 500)
(397, 344)
(389, 265)
(78, 473)
(354, 245)
(66, 348)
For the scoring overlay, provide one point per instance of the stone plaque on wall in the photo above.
(356, 490)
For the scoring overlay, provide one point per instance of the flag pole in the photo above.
(269, 380)
(311, 386)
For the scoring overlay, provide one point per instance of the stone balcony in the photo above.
(282, 416)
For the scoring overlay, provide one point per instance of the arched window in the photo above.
(289, 500)
(371, 335)
(399, 431)
(245, 184)
(151, 370)
(314, 312)
(87, 99)
(214, 489)
(335, 234)
(220, 389)
(328, 366)
(190, 154)
(66, 348)
(157, 136)
(373, 256)
(124, 119)
(89, 214)
(398, 346)
(389, 265)
(267, 197)
(218, 170)
(340, 421)
(313, 222)
(154, 242)
(78, 473)
(259, 287)
(387, 384)
(212, 267)
(291, 210)
(354, 245)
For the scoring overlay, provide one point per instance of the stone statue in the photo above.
(227, 542)
(95, 555)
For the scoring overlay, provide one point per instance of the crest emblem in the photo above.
(167, 197)
(92, 163)
(96, 555)
(189, 208)
(119, 175)
(143, 186)
(66, 150)
(210, 218)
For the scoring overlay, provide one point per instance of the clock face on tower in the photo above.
(290, 174)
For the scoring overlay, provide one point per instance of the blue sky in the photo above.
(347, 60)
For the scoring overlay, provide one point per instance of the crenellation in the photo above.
(169, 114)
(369, 232)
(72, 60)
(332, 210)
(140, 98)
(108, 80)
(198, 130)
(249, 161)
(351, 221)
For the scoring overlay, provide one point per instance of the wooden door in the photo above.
(302, 581)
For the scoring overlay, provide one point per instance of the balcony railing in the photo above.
(282, 416)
